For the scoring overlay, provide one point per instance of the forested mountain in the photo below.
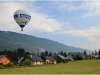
(12, 41)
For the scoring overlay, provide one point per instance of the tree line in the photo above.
(20, 52)
(15, 55)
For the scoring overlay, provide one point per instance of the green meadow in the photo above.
(72, 67)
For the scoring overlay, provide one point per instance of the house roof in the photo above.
(61, 56)
(1, 56)
(96, 56)
(68, 57)
(50, 58)
(20, 59)
(35, 58)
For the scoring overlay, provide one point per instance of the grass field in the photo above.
(75, 67)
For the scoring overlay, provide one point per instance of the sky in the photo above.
(72, 22)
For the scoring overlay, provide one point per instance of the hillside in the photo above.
(12, 41)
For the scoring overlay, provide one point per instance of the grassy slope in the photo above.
(76, 67)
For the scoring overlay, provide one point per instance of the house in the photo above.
(61, 58)
(20, 59)
(49, 60)
(96, 56)
(70, 58)
(92, 56)
(36, 60)
(4, 60)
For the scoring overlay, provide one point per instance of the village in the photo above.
(44, 58)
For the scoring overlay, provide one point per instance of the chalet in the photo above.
(92, 56)
(70, 58)
(20, 59)
(61, 58)
(49, 60)
(4, 60)
(96, 56)
(36, 60)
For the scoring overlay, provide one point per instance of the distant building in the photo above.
(49, 60)
(4, 60)
(36, 60)
(61, 58)
(92, 56)
(69, 58)
(20, 59)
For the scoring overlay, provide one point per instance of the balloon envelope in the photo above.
(41, 50)
(22, 17)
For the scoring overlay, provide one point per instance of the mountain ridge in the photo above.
(12, 41)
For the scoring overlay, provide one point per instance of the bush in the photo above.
(64, 61)
(20, 64)
(15, 63)
(9, 65)
(27, 63)
(78, 57)
(99, 57)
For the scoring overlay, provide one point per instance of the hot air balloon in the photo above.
(22, 17)
(41, 50)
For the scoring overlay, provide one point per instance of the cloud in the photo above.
(43, 23)
(92, 7)
(65, 6)
(92, 34)
(39, 22)
(6, 15)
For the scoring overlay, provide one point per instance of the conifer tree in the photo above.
(99, 52)
(96, 52)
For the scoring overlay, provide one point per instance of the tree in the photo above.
(78, 57)
(96, 52)
(61, 53)
(65, 54)
(50, 54)
(46, 53)
(15, 56)
(92, 53)
(99, 52)
(27, 53)
(85, 55)
(21, 52)
(27, 63)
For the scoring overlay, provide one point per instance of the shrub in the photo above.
(99, 57)
(9, 65)
(20, 64)
(78, 57)
(64, 61)
(15, 63)
(27, 63)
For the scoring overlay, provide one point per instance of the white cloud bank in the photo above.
(93, 8)
(92, 34)
(39, 22)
